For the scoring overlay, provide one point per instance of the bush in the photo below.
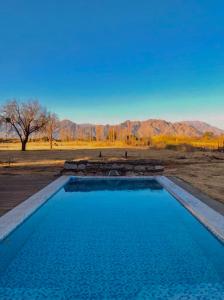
(180, 147)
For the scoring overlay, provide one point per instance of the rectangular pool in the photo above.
(111, 239)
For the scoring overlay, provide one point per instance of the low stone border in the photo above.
(127, 167)
(12, 219)
(213, 220)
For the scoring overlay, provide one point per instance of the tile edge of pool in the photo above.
(211, 219)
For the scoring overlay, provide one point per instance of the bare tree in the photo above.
(51, 126)
(24, 118)
(99, 133)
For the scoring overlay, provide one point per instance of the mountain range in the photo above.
(148, 128)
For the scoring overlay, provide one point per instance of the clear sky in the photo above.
(112, 60)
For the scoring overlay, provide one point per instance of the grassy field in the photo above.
(158, 142)
(32, 169)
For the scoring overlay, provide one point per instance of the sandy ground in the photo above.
(24, 173)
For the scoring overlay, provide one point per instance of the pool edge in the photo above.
(211, 219)
(16, 216)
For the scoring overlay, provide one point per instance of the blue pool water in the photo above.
(111, 239)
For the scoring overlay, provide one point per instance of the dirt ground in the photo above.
(24, 173)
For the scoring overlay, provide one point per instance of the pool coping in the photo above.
(12, 219)
(210, 218)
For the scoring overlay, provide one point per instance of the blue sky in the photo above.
(108, 61)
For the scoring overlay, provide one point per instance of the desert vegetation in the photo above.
(160, 142)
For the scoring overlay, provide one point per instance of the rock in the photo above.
(130, 173)
(113, 173)
(105, 167)
(69, 166)
(159, 168)
(139, 168)
(150, 168)
(116, 167)
(80, 173)
(128, 167)
(81, 167)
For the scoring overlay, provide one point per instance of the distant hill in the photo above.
(147, 128)
(204, 127)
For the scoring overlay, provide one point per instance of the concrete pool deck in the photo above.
(206, 214)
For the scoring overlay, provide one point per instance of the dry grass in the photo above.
(157, 142)
(72, 145)
(203, 170)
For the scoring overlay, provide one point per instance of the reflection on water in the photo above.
(89, 185)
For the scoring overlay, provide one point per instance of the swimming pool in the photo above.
(111, 239)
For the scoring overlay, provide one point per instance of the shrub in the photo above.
(180, 147)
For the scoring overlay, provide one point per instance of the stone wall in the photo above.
(113, 168)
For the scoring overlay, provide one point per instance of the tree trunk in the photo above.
(24, 142)
(51, 141)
